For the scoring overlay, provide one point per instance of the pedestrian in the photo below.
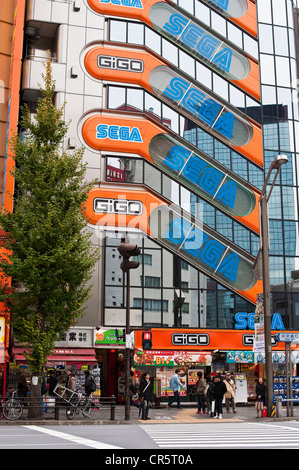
(133, 389)
(23, 387)
(211, 396)
(220, 390)
(260, 390)
(146, 395)
(230, 393)
(43, 392)
(175, 385)
(52, 382)
(201, 385)
(90, 385)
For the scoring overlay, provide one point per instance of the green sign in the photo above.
(106, 337)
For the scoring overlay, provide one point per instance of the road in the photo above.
(116, 438)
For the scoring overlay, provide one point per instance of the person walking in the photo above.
(133, 389)
(220, 390)
(211, 396)
(260, 390)
(230, 393)
(200, 392)
(146, 395)
(175, 385)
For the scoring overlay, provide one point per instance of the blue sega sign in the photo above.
(245, 320)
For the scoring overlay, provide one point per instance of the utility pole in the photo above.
(126, 252)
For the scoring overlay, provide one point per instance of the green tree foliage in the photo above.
(52, 257)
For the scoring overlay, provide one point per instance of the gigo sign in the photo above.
(180, 233)
(190, 34)
(179, 159)
(181, 92)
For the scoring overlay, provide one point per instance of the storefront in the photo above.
(211, 352)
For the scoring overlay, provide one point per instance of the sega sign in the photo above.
(245, 320)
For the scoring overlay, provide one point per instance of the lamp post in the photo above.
(264, 245)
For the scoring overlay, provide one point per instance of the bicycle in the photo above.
(12, 409)
(83, 404)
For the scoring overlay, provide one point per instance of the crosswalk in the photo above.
(230, 436)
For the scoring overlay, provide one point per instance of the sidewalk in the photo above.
(162, 415)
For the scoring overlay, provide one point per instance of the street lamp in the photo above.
(264, 246)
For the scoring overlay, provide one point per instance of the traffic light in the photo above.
(146, 340)
(127, 251)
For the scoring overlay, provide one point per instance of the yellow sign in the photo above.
(2, 329)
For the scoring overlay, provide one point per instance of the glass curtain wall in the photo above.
(208, 304)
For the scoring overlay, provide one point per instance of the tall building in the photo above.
(181, 107)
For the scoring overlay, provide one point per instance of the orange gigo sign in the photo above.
(189, 34)
(188, 97)
(176, 230)
(173, 155)
(241, 12)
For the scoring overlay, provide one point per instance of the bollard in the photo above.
(278, 406)
(56, 413)
(112, 408)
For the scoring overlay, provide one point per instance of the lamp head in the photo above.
(280, 160)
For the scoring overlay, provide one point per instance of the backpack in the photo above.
(93, 386)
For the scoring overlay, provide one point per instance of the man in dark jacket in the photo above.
(146, 395)
(200, 392)
(220, 390)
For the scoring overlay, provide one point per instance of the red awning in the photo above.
(66, 356)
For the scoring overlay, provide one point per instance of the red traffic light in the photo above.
(146, 340)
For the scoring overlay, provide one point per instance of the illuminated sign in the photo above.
(196, 339)
(185, 95)
(242, 12)
(123, 133)
(246, 320)
(117, 206)
(191, 35)
(120, 63)
(180, 233)
(179, 159)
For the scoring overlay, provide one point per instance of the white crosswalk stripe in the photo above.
(232, 436)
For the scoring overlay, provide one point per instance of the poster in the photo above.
(259, 329)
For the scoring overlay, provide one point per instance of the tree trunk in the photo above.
(35, 401)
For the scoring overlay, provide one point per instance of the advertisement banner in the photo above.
(172, 358)
(176, 157)
(239, 357)
(259, 327)
(216, 116)
(2, 330)
(178, 231)
(190, 34)
(106, 337)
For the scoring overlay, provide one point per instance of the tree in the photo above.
(49, 251)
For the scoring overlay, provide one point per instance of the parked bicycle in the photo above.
(12, 408)
(75, 402)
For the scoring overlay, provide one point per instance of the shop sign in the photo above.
(172, 358)
(196, 339)
(185, 164)
(2, 330)
(191, 35)
(245, 320)
(108, 337)
(184, 234)
(278, 357)
(76, 337)
(239, 357)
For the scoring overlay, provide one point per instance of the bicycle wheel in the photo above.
(12, 410)
(88, 409)
(70, 412)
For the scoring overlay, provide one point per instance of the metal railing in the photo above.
(15, 408)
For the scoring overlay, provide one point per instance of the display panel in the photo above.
(179, 159)
(190, 34)
(178, 231)
(219, 118)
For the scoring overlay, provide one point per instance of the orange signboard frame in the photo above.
(226, 340)
(253, 150)
(148, 130)
(250, 84)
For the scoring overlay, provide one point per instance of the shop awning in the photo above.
(68, 356)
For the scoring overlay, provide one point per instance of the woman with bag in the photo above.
(146, 395)
(260, 390)
(133, 389)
